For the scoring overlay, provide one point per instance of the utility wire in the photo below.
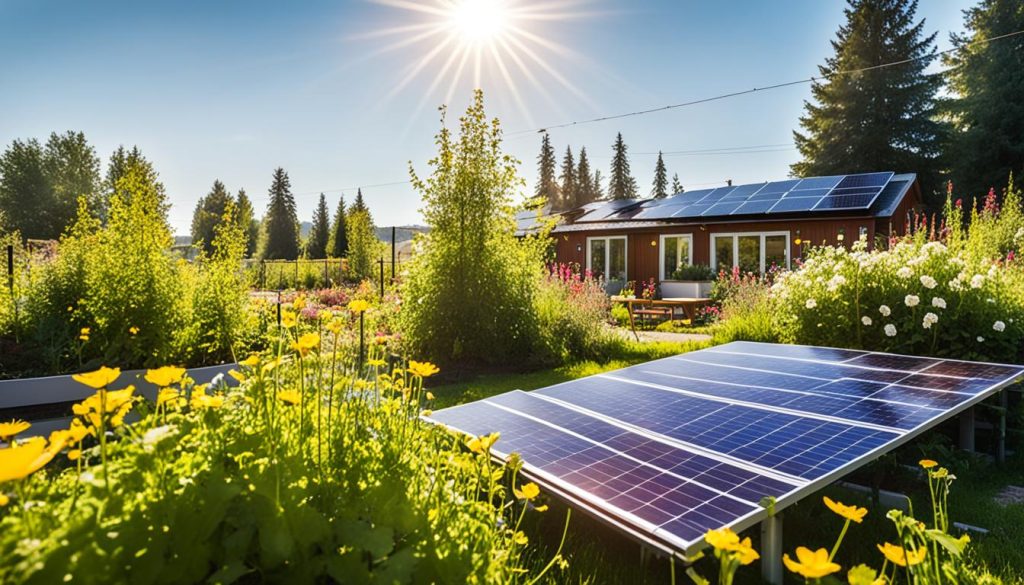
(811, 79)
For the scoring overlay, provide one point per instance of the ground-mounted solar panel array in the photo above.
(671, 448)
(817, 194)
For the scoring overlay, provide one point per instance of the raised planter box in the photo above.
(693, 289)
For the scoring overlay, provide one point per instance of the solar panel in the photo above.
(795, 204)
(608, 209)
(659, 212)
(694, 210)
(671, 448)
(865, 180)
(818, 183)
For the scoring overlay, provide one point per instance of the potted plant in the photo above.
(690, 281)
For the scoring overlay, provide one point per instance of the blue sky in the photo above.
(230, 90)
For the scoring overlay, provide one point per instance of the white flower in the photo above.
(977, 280)
(836, 281)
(927, 281)
(912, 300)
(981, 339)
(890, 330)
(990, 301)
(956, 285)
(884, 310)
(939, 302)
(999, 326)
(905, 272)
(865, 320)
(157, 434)
(811, 303)
(929, 320)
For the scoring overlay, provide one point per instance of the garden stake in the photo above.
(361, 340)
(382, 277)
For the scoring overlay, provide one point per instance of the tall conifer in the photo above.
(567, 197)
(546, 187)
(621, 184)
(281, 222)
(316, 246)
(660, 188)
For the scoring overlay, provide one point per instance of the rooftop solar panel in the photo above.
(671, 448)
(790, 204)
(865, 180)
(659, 212)
(694, 210)
(818, 183)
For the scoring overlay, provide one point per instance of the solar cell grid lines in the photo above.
(671, 448)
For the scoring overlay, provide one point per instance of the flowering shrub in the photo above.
(916, 298)
(312, 469)
(571, 309)
(745, 307)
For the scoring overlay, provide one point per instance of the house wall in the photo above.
(643, 253)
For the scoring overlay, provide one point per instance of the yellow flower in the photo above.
(335, 326)
(74, 454)
(83, 334)
(427, 412)
(133, 330)
(299, 303)
(287, 319)
(237, 375)
(170, 397)
(902, 557)
(78, 431)
(520, 538)
(482, 443)
(358, 306)
(724, 539)
(251, 361)
(927, 463)
(375, 362)
(422, 369)
(207, 401)
(306, 343)
(70, 309)
(849, 512)
(3, 500)
(103, 405)
(27, 458)
(430, 395)
(810, 564)
(289, 397)
(165, 376)
(528, 492)
(101, 378)
(746, 553)
(9, 429)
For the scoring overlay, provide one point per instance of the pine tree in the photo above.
(121, 162)
(621, 185)
(281, 222)
(547, 187)
(881, 119)
(245, 216)
(72, 171)
(359, 204)
(677, 187)
(208, 213)
(584, 180)
(24, 191)
(316, 246)
(567, 197)
(598, 188)
(987, 80)
(338, 244)
(660, 188)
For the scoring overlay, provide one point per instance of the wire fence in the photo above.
(307, 273)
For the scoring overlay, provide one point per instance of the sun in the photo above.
(480, 21)
(494, 44)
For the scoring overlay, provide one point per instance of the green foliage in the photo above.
(207, 216)
(571, 312)
(700, 272)
(567, 198)
(677, 186)
(338, 244)
(747, 313)
(123, 161)
(546, 187)
(881, 119)
(316, 246)
(469, 290)
(311, 471)
(40, 186)
(586, 190)
(281, 222)
(246, 217)
(987, 80)
(364, 249)
(621, 185)
(659, 190)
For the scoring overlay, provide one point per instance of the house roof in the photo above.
(875, 195)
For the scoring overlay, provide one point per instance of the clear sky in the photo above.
(230, 90)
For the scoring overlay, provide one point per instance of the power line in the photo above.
(393, 183)
(766, 88)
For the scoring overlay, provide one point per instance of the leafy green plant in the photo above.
(700, 272)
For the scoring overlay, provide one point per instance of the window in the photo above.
(607, 257)
(676, 252)
(752, 252)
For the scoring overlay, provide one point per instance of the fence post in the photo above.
(10, 286)
(327, 279)
(296, 273)
(381, 277)
(392, 252)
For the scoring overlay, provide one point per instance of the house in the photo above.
(751, 226)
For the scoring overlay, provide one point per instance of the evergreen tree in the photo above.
(547, 187)
(281, 222)
(584, 180)
(245, 216)
(121, 162)
(363, 246)
(316, 246)
(359, 204)
(72, 171)
(24, 191)
(208, 213)
(621, 185)
(598, 188)
(677, 187)
(880, 119)
(567, 198)
(987, 80)
(338, 244)
(660, 188)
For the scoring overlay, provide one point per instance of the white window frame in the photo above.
(662, 248)
(736, 246)
(608, 254)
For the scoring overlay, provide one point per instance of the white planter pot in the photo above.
(685, 289)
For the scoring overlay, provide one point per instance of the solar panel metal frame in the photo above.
(670, 543)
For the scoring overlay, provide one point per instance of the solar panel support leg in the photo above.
(1001, 439)
(771, 549)
(967, 430)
